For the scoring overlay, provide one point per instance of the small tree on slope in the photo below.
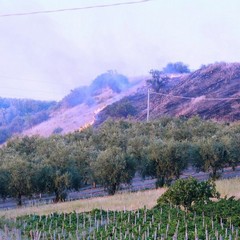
(186, 192)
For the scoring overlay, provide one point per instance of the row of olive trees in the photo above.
(113, 153)
(35, 165)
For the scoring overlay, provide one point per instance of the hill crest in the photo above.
(209, 92)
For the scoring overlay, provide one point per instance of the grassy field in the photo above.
(229, 187)
(128, 201)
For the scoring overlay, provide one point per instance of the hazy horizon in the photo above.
(45, 56)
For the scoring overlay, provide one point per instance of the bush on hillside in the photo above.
(158, 80)
(121, 109)
(111, 79)
(186, 192)
(177, 67)
(115, 81)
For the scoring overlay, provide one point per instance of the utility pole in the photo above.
(148, 104)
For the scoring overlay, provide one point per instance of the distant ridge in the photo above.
(212, 92)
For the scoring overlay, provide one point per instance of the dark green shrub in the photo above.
(186, 192)
(226, 210)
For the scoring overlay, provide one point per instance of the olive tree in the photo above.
(19, 174)
(111, 168)
(58, 170)
(169, 159)
(4, 181)
(158, 80)
(213, 156)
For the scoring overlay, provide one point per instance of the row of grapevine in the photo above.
(165, 222)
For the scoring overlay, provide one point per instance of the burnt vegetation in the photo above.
(212, 92)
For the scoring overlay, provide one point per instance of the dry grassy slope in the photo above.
(220, 80)
(80, 116)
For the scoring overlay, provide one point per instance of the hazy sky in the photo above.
(45, 56)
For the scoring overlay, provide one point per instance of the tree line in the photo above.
(19, 114)
(111, 155)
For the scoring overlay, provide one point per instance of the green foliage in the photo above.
(20, 180)
(137, 150)
(213, 156)
(186, 192)
(219, 220)
(220, 210)
(111, 154)
(61, 183)
(122, 109)
(112, 133)
(4, 183)
(231, 139)
(168, 160)
(112, 168)
(24, 146)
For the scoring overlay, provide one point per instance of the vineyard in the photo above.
(215, 220)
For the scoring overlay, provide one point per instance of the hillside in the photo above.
(212, 92)
(76, 112)
(111, 80)
(17, 115)
(208, 92)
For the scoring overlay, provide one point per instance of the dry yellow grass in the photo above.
(229, 187)
(128, 201)
(68, 118)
